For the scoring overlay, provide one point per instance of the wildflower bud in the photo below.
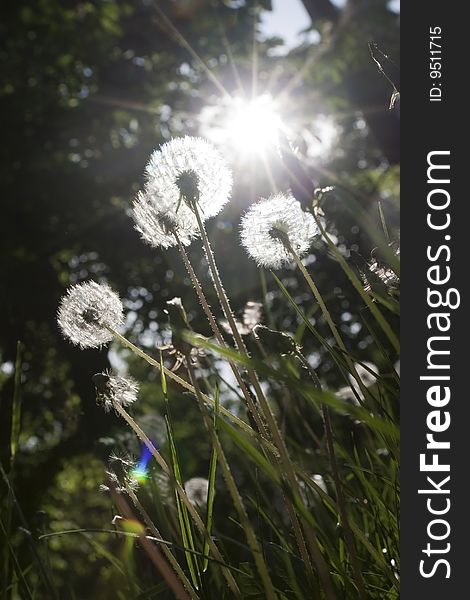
(275, 342)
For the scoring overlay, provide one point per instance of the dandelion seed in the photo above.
(271, 220)
(158, 229)
(197, 489)
(85, 312)
(124, 460)
(112, 390)
(184, 171)
(116, 520)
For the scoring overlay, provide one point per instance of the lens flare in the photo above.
(132, 526)
(140, 472)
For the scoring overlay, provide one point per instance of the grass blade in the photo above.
(211, 490)
(183, 517)
(16, 408)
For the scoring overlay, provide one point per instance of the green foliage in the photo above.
(89, 90)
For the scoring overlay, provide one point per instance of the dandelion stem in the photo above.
(357, 284)
(326, 314)
(187, 386)
(153, 551)
(215, 328)
(180, 491)
(349, 538)
(269, 416)
(168, 553)
(237, 500)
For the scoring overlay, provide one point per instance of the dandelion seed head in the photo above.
(113, 389)
(185, 170)
(86, 310)
(158, 228)
(197, 489)
(268, 222)
(123, 459)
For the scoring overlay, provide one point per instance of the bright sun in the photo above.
(252, 125)
(248, 127)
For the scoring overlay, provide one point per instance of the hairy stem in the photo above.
(181, 493)
(187, 386)
(168, 553)
(349, 538)
(153, 552)
(326, 313)
(232, 487)
(216, 330)
(269, 416)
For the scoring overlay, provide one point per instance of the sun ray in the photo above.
(269, 174)
(228, 50)
(254, 56)
(178, 36)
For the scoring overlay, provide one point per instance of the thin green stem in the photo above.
(187, 386)
(271, 421)
(216, 330)
(326, 313)
(48, 583)
(232, 487)
(349, 538)
(358, 286)
(168, 553)
(181, 493)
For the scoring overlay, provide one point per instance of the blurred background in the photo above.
(88, 90)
